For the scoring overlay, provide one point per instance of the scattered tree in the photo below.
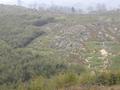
(73, 9)
(101, 7)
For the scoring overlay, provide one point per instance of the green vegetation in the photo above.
(40, 50)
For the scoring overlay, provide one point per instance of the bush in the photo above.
(37, 84)
(66, 80)
(108, 78)
(43, 22)
(87, 78)
(23, 64)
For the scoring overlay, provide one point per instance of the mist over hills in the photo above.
(78, 4)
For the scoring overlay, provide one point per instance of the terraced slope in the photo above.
(77, 37)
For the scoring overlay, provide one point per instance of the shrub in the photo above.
(37, 84)
(41, 83)
(66, 80)
(87, 78)
(43, 22)
(108, 78)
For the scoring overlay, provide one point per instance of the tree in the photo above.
(90, 9)
(101, 7)
(73, 9)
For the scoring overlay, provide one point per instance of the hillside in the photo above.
(34, 43)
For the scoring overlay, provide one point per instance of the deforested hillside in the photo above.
(46, 50)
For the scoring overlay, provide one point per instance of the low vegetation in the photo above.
(40, 50)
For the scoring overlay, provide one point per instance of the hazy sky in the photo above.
(109, 3)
